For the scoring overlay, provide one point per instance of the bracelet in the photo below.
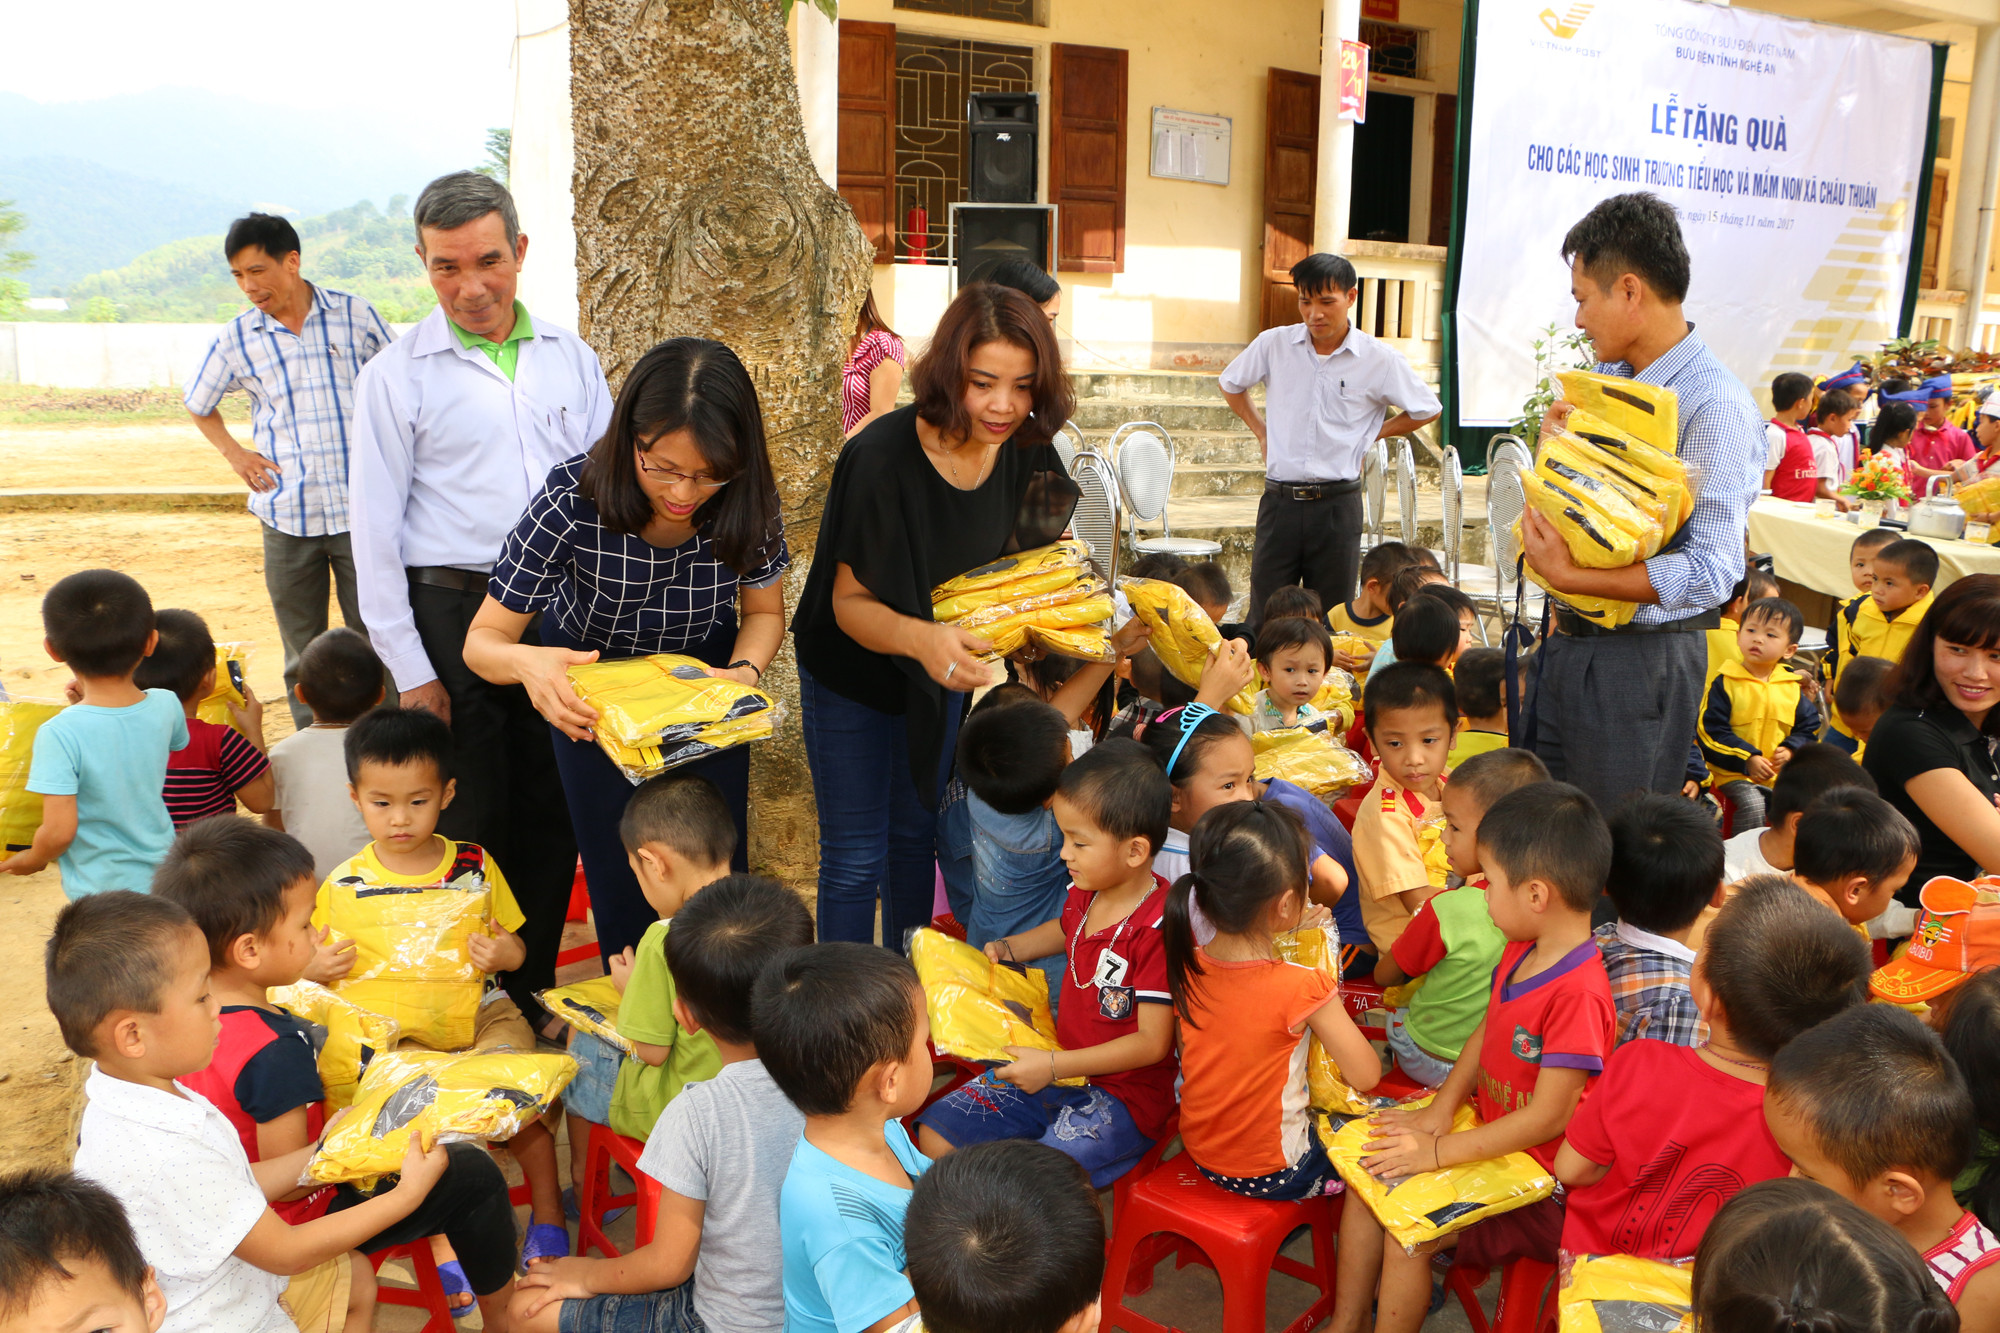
(1052, 1066)
(743, 662)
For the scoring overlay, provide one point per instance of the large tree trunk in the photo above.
(698, 211)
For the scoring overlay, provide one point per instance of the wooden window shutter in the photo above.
(1087, 157)
(867, 158)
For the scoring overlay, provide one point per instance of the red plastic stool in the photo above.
(1160, 1244)
(1525, 1305)
(1238, 1236)
(429, 1294)
(579, 910)
(594, 1197)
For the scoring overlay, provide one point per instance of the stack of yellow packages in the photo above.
(412, 960)
(354, 1036)
(1047, 598)
(441, 1098)
(1309, 757)
(1421, 1208)
(1336, 699)
(590, 1006)
(978, 1008)
(232, 684)
(1979, 497)
(1611, 482)
(656, 713)
(1183, 636)
(20, 809)
(1622, 1293)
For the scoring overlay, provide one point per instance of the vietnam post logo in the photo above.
(1526, 1046)
(1567, 25)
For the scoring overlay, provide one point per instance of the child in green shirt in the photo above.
(678, 837)
(1452, 943)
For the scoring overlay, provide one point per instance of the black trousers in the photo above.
(468, 1207)
(1314, 542)
(510, 797)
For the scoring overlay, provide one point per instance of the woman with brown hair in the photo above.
(875, 360)
(1931, 754)
(920, 495)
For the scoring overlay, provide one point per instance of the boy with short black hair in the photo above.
(128, 983)
(1855, 853)
(1451, 941)
(1666, 869)
(1208, 583)
(1832, 437)
(1814, 771)
(1367, 616)
(1480, 680)
(1545, 1037)
(340, 678)
(719, 1152)
(842, 1028)
(1115, 1025)
(1411, 713)
(100, 765)
(1754, 586)
(1005, 1235)
(1789, 473)
(1870, 1105)
(1860, 698)
(1881, 620)
(1294, 653)
(68, 1260)
(220, 765)
(1757, 711)
(250, 890)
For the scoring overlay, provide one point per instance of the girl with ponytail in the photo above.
(1247, 1016)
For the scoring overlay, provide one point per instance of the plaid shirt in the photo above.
(301, 388)
(1722, 441)
(1650, 986)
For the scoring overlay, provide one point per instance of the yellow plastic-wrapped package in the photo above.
(1353, 645)
(639, 762)
(1009, 569)
(1594, 538)
(1430, 846)
(1327, 1090)
(412, 960)
(1009, 629)
(1979, 497)
(1661, 470)
(1308, 758)
(978, 1008)
(443, 1099)
(1647, 412)
(589, 1006)
(20, 809)
(1622, 1293)
(663, 698)
(1086, 643)
(232, 683)
(1183, 636)
(1021, 592)
(354, 1036)
(1421, 1208)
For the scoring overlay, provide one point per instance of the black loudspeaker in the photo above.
(990, 233)
(1002, 128)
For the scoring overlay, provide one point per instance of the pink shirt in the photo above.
(1937, 448)
(879, 346)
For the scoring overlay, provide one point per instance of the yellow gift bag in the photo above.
(1647, 412)
(1183, 635)
(1622, 1293)
(20, 809)
(1310, 758)
(1421, 1208)
(1015, 572)
(442, 1098)
(1049, 598)
(232, 683)
(590, 1006)
(412, 960)
(978, 1007)
(354, 1036)
(656, 713)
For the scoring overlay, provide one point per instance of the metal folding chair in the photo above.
(1406, 490)
(1453, 505)
(1096, 518)
(1375, 494)
(1143, 453)
(1492, 586)
(1069, 442)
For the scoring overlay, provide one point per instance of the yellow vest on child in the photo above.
(1861, 630)
(1722, 647)
(1740, 712)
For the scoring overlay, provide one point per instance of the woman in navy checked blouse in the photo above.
(665, 538)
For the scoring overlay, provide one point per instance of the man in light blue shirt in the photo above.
(296, 353)
(1614, 709)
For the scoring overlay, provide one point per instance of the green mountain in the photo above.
(359, 250)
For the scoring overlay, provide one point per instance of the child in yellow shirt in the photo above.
(1411, 713)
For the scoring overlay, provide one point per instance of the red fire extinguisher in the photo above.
(917, 233)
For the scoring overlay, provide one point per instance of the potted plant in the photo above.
(1875, 483)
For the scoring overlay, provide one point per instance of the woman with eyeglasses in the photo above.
(665, 538)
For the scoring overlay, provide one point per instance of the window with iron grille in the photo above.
(934, 76)
(1394, 49)
(999, 11)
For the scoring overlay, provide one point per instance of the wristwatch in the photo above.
(742, 662)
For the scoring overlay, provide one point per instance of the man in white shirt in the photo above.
(1331, 390)
(458, 424)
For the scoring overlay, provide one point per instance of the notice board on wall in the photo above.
(1190, 146)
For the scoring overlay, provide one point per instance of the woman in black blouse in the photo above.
(1931, 755)
(649, 543)
(920, 495)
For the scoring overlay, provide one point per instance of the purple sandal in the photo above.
(545, 1241)
(451, 1276)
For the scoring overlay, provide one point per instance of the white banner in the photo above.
(1791, 149)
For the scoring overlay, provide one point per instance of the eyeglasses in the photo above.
(666, 476)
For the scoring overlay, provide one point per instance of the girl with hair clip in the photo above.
(1209, 761)
(1247, 1015)
(1791, 1256)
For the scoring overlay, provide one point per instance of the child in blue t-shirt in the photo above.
(842, 1030)
(100, 765)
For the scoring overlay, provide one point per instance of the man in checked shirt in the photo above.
(1615, 708)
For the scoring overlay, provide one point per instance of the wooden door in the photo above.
(1934, 228)
(866, 174)
(1291, 171)
(1444, 155)
(1087, 156)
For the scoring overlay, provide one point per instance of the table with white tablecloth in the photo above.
(1810, 549)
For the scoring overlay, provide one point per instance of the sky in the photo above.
(437, 71)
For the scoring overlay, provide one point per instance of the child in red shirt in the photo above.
(1671, 1132)
(1547, 1032)
(219, 765)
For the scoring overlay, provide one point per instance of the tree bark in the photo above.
(699, 212)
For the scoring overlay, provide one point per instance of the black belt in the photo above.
(1569, 622)
(446, 576)
(1311, 490)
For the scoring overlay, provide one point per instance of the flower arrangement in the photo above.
(1880, 478)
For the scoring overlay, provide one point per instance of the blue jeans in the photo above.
(1412, 1059)
(669, 1311)
(588, 1096)
(878, 839)
(1087, 1124)
(955, 850)
(1019, 880)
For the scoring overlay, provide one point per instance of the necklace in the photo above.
(1741, 1064)
(1117, 931)
(951, 461)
